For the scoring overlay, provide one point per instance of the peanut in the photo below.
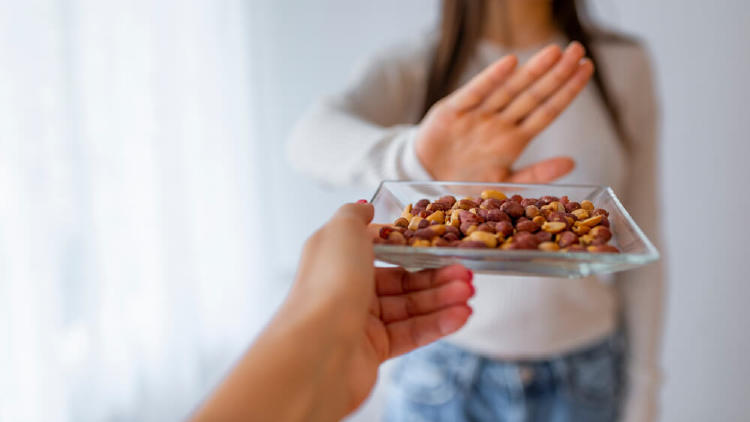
(488, 238)
(407, 212)
(448, 200)
(491, 204)
(600, 211)
(450, 237)
(601, 235)
(587, 205)
(531, 211)
(527, 226)
(566, 239)
(438, 216)
(593, 221)
(504, 227)
(529, 201)
(401, 222)
(543, 236)
(538, 220)
(553, 226)
(421, 243)
(468, 227)
(494, 194)
(524, 240)
(513, 209)
(437, 206)
(575, 248)
(396, 238)
(485, 227)
(581, 214)
(497, 215)
(572, 206)
(466, 204)
(579, 229)
(455, 221)
(440, 242)
(548, 246)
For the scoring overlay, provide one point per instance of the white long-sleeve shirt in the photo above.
(366, 134)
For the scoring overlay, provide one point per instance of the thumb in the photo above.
(544, 171)
(360, 212)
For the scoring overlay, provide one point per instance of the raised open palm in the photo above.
(478, 132)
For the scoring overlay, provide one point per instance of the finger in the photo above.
(554, 105)
(546, 86)
(396, 281)
(405, 336)
(535, 68)
(399, 308)
(475, 91)
(544, 171)
(359, 212)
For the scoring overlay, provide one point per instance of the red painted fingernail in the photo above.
(473, 289)
(471, 310)
(471, 275)
(362, 201)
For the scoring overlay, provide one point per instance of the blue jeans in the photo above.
(442, 382)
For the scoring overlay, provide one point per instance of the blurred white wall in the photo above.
(702, 63)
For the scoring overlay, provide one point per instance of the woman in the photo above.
(535, 349)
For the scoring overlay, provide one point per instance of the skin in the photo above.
(479, 131)
(318, 358)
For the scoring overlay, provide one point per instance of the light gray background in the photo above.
(702, 60)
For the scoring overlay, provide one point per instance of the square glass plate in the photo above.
(636, 250)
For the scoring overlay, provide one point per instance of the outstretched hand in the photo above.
(318, 358)
(389, 311)
(478, 132)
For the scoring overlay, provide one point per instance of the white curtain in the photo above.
(130, 266)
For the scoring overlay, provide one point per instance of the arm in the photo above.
(365, 134)
(318, 358)
(475, 133)
(642, 291)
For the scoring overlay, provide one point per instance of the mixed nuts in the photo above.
(496, 221)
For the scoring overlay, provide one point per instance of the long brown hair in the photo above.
(461, 30)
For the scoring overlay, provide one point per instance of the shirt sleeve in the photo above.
(642, 290)
(366, 133)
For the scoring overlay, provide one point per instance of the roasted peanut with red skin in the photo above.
(566, 239)
(513, 209)
(529, 201)
(491, 204)
(527, 226)
(531, 211)
(448, 200)
(600, 235)
(504, 227)
(497, 215)
(467, 204)
(543, 236)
